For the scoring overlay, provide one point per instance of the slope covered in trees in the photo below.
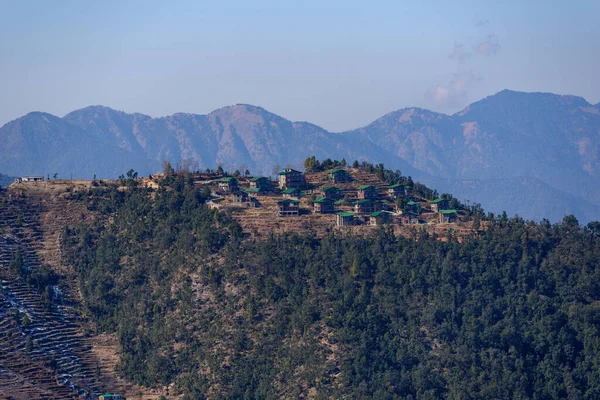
(512, 313)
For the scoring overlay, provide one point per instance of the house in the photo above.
(339, 176)
(396, 190)
(107, 396)
(447, 216)
(344, 219)
(261, 183)
(439, 204)
(323, 205)
(331, 192)
(288, 208)
(29, 179)
(293, 192)
(290, 178)
(367, 192)
(379, 218)
(407, 190)
(409, 217)
(240, 197)
(367, 206)
(228, 184)
(412, 206)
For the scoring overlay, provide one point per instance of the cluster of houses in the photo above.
(371, 206)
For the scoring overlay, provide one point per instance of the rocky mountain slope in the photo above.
(505, 141)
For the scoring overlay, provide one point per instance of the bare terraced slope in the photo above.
(64, 360)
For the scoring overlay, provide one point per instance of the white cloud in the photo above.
(455, 92)
(489, 46)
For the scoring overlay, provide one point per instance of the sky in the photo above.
(337, 64)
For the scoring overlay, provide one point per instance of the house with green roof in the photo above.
(395, 190)
(447, 216)
(339, 176)
(379, 218)
(412, 206)
(240, 197)
(409, 217)
(332, 192)
(292, 192)
(290, 178)
(367, 192)
(261, 183)
(367, 206)
(438, 204)
(323, 205)
(107, 396)
(228, 184)
(344, 219)
(288, 208)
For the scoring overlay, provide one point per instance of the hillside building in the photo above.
(339, 176)
(367, 192)
(367, 206)
(290, 178)
(29, 179)
(344, 219)
(331, 192)
(323, 205)
(228, 184)
(379, 218)
(261, 183)
(409, 217)
(412, 206)
(438, 204)
(240, 197)
(447, 216)
(395, 191)
(293, 192)
(288, 208)
(107, 396)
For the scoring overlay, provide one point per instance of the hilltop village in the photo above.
(340, 197)
(327, 196)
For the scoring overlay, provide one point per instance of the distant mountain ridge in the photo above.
(510, 140)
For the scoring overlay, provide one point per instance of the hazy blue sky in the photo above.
(339, 64)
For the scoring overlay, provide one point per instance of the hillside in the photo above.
(503, 138)
(182, 296)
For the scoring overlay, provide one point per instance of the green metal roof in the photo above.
(364, 201)
(336, 171)
(412, 203)
(436, 201)
(257, 178)
(290, 191)
(377, 213)
(331, 187)
(397, 185)
(363, 187)
(227, 179)
(289, 171)
(448, 212)
(322, 200)
(253, 190)
(341, 202)
(345, 214)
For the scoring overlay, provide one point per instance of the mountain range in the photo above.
(532, 154)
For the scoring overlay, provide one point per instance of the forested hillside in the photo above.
(511, 313)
